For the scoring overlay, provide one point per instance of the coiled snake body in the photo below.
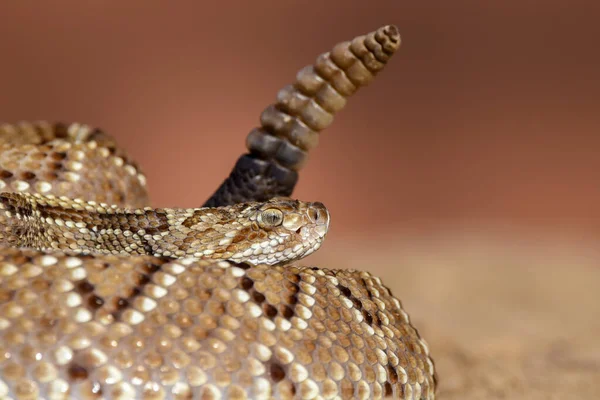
(104, 298)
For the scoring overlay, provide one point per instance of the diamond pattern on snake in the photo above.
(103, 297)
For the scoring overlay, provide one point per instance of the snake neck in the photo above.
(57, 224)
(271, 232)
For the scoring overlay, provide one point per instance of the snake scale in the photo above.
(102, 297)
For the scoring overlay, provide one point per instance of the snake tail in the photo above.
(289, 128)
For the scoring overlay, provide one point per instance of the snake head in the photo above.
(276, 231)
(282, 230)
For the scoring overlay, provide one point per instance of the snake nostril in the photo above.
(317, 213)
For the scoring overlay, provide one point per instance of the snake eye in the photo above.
(270, 217)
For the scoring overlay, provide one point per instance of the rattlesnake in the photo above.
(125, 301)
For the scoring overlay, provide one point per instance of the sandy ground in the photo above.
(507, 316)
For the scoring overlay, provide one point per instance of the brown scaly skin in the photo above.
(279, 230)
(74, 160)
(136, 326)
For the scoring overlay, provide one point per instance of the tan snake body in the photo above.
(104, 302)
(272, 232)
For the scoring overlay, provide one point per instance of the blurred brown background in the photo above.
(488, 114)
(466, 175)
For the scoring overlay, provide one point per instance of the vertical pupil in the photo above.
(315, 215)
(270, 217)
